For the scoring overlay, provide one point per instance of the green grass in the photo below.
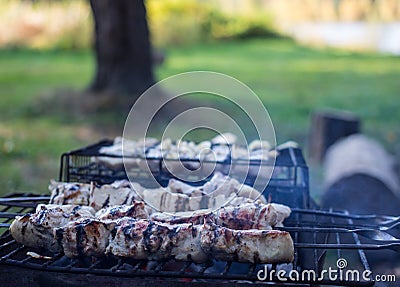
(291, 80)
(31, 143)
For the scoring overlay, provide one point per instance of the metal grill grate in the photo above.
(320, 237)
(288, 185)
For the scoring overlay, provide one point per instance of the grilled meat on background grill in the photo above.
(70, 193)
(167, 148)
(180, 149)
(220, 190)
(164, 201)
(242, 217)
(205, 157)
(219, 184)
(134, 152)
(127, 147)
(117, 193)
(135, 210)
(36, 230)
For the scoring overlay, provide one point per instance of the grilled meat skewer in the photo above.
(70, 193)
(136, 210)
(39, 229)
(242, 217)
(36, 230)
(248, 246)
(86, 237)
(153, 240)
(177, 196)
(145, 239)
(118, 193)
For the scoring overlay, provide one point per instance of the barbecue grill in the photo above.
(321, 238)
(288, 184)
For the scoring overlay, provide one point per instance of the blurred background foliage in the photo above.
(66, 24)
(45, 24)
(45, 53)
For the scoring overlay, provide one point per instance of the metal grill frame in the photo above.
(288, 185)
(310, 249)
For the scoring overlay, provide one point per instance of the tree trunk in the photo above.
(327, 127)
(122, 47)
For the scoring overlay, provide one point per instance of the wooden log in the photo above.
(358, 165)
(327, 127)
(360, 178)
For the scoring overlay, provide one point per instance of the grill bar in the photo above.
(361, 254)
(23, 199)
(364, 246)
(7, 244)
(9, 214)
(338, 214)
(324, 229)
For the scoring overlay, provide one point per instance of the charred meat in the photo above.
(36, 230)
(242, 217)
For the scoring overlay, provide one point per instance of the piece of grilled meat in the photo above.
(86, 237)
(36, 230)
(136, 210)
(117, 193)
(248, 246)
(242, 217)
(44, 228)
(145, 239)
(70, 193)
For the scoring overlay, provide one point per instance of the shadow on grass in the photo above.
(104, 113)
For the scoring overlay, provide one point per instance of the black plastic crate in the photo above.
(289, 183)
